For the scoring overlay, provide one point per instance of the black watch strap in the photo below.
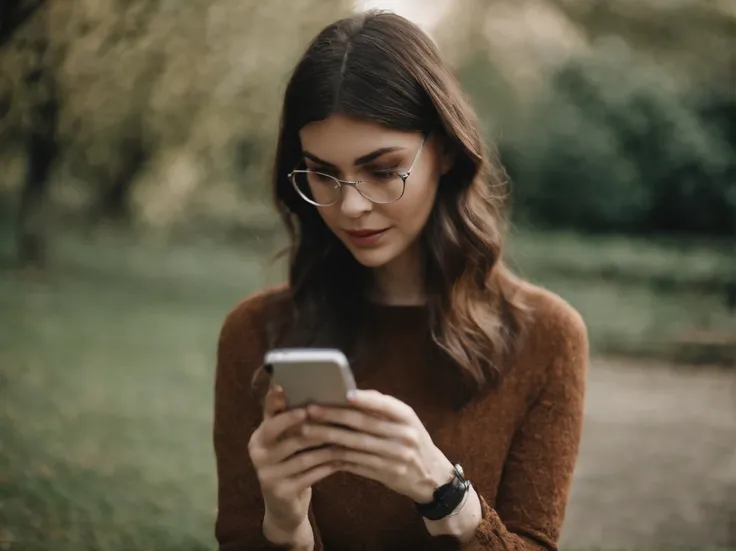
(446, 498)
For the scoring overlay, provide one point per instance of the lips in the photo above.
(364, 233)
(366, 238)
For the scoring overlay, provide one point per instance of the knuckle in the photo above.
(410, 436)
(256, 452)
(407, 456)
(257, 455)
(301, 461)
(356, 420)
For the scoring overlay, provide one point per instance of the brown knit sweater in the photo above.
(517, 443)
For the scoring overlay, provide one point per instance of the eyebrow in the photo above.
(359, 161)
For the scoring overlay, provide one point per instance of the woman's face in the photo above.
(376, 234)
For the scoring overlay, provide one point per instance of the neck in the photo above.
(401, 281)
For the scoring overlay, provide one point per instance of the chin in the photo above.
(374, 257)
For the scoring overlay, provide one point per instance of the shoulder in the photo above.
(243, 341)
(551, 317)
(245, 330)
(251, 313)
(556, 334)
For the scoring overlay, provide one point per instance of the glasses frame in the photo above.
(356, 183)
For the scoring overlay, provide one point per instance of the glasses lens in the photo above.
(382, 186)
(321, 189)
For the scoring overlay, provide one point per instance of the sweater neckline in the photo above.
(402, 313)
(397, 307)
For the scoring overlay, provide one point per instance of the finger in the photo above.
(360, 421)
(312, 476)
(272, 428)
(360, 470)
(291, 432)
(356, 440)
(383, 404)
(290, 446)
(373, 462)
(275, 402)
(301, 463)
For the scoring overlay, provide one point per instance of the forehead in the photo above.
(341, 139)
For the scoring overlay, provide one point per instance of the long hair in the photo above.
(379, 67)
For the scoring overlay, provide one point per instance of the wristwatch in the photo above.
(446, 498)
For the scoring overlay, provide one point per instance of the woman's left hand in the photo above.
(384, 441)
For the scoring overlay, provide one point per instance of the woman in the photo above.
(465, 432)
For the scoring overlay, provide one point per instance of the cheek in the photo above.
(412, 211)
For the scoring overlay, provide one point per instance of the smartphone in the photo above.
(311, 375)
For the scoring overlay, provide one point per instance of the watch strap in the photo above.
(446, 498)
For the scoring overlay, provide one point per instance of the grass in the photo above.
(106, 376)
(684, 263)
(106, 369)
(640, 297)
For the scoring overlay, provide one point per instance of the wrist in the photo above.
(300, 538)
(442, 474)
(461, 523)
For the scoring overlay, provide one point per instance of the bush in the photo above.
(617, 146)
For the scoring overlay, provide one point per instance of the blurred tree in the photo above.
(25, 23)
(162, 113)
(617, 147)
(14, 14)
(694, 38)
(605, 112)
(196, 87)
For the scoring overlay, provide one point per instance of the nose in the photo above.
(354, 205)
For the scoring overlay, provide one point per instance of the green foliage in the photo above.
(167, 113)
(617, 145)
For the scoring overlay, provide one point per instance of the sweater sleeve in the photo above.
(237, 414)
(537, 475)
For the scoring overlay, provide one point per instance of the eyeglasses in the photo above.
(379, 186)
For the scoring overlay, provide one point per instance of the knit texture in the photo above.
(517, 442)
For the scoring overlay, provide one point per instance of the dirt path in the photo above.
(657, 468)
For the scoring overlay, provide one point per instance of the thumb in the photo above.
(275, 402)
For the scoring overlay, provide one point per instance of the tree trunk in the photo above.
(41, 152)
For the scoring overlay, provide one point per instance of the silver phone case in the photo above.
(311, 375)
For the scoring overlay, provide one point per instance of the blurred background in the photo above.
(135, 143)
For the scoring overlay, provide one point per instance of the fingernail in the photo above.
(352, 394)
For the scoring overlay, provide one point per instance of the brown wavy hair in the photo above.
(379, 67)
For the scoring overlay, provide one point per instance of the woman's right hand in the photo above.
(286, 471)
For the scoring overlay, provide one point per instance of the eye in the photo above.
(384, 173)
(321, 177)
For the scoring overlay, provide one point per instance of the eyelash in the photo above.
(376, 171)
